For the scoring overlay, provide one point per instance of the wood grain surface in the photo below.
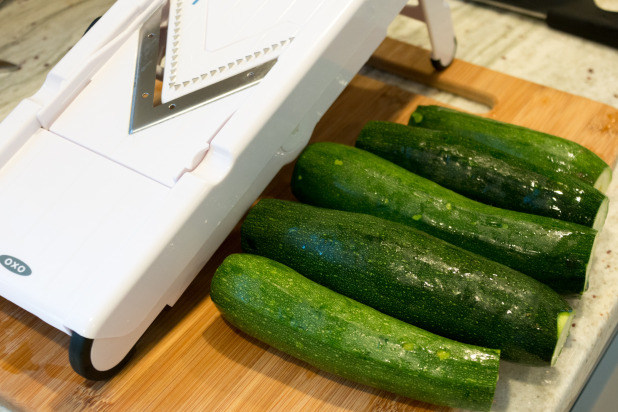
(191, 359)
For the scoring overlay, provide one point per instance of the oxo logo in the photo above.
(15, 265)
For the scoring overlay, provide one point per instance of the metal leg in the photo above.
(437, 16)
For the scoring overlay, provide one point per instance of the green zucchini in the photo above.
(277, 305)
(541, 150)
(482, 173)
(414, 277)
(552, 251)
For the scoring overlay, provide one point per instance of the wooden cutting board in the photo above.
(191, 359)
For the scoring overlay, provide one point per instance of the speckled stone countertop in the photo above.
(37, 33)
(526, 48)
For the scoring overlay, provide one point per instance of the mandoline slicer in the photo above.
(151, 138)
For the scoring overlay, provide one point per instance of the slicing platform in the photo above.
(209, 41)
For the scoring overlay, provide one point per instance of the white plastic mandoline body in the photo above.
(114, 226)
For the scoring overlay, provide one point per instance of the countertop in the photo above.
(36, 34)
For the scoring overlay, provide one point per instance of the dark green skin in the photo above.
(481, 173)
(411, 276)
(295, 315)
(342, 177)
(541, 151)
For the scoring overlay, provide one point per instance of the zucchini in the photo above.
(414, 277)
(482, 173)
(552, 251)
(277, 305)
(541, 150)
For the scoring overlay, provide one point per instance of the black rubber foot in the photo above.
(437, 64)
(80, 350)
